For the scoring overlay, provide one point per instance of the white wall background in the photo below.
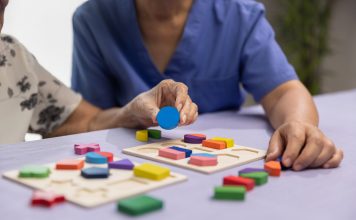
(45, 28)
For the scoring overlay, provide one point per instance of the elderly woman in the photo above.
(31, 99)
(123, 48)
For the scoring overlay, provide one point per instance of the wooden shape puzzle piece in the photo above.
(96, 158)
(203, 161)
(168, 117)
(124, 164)
(154, 133)
(34, 171)
(85, 148)
(251, 170)
(229, 141)
(151, 171)
(46, 198)
(171, 153)
(108, 155)
(204, 155)
(142, 135)
(273, 168)
(70, 165)
(194, 138)
(230, 192)
(95, 172)
(239, 181)
(139, 205)
(260, 178)
(219, 145)
(187, 152)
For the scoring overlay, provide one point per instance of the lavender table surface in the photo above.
(312, 194)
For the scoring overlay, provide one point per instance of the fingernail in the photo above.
(297, 167)
(287, 162)
(179, 107)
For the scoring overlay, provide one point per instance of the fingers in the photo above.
(295, 142)
(188, 113)
(181, 93)
(193, 114)
(275, 147)
(326, 154)
(335, 160)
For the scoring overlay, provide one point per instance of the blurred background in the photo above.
(318, 36)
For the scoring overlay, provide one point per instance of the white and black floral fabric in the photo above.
(31, 99)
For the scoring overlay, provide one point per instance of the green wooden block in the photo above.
(34, 171)
(154, 133)
(230, 192)
(139, 205)
(260, 178)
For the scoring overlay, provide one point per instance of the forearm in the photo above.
(290, 102)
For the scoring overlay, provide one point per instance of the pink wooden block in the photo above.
(171, 154)
(203, 161)
(85, 148)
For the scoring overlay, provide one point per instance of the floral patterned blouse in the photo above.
(31, 99)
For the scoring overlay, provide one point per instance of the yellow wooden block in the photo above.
(229, 141)
(142, 135)
(151, 171)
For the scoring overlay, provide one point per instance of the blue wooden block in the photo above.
(187, 152)
(93, 157)
(204, 155)
(95, 172)
(168, 118)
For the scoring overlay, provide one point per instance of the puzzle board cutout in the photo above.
(94, 192)
(227, 158)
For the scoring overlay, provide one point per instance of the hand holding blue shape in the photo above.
(168, 118)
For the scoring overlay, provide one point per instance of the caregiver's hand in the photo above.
(144, 108)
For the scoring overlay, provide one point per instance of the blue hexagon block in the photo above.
(95, 172)
(168, 118)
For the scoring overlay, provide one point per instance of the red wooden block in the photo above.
(273, 168)
(203, 161)
(214, 144)
(108, 155)
(70, 165)
(46, 198)
(171, 154)
(239, 181)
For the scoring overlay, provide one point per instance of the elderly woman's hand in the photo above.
(144, 108)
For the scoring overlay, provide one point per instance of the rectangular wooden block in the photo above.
(70, 165)
(230, 192)
(260, 178)
(219, 145)
(239, 181)
(139, 205)
(171, 154)
(187, 152)
(154, 133)
(142, 135)
(203, 161)
(151, 171)
(229, 141)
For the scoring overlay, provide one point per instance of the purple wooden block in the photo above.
(251, 170)
(124, 164)
(188, 138)
(85, 148)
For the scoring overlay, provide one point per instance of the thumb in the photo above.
(275, 147)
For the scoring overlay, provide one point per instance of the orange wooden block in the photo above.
(108, 155)
(214, 144)
(273, 168)
(70, 165)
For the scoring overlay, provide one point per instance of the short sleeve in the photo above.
(55, 101)
(264, 65)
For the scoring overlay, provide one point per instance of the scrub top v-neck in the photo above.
(225, 46)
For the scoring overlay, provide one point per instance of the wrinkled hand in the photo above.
(303, 146)
(144, 108)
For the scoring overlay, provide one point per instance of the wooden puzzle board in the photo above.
(94, 192)
(227, 158)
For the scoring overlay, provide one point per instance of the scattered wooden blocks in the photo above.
(85, 148)
(70, 165)
(154, 133)
(230, 192)
(95, 172)
(46, 198)
(95, 158)
(34, 171)
(239, 181)
(251, 170)
(168, 118)
(203, 161)
(194, 138)
(124, 164)
(171, 153)
(187, 152)
(229, 141)
(108, 155)
(260, 178)
(219, 145)
(139, 205)
(273, 168)
(142, 135)
(151, 171)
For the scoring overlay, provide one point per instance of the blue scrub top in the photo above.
(225, 44)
